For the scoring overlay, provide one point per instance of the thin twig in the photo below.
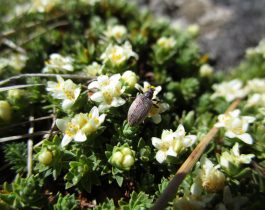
(13, 45)
(26, 122)
(23, 136)
(53, 124)
(171, 190)
(67, 76)
(30, 26)
(18, 87)
(30, 147)
(47, 29)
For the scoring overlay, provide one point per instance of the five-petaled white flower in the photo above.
(166, 42)
(147, 86)
(256, 86)
(108, 91)
(64, 90)
(156, 110)
(229, 90)
(43, 5)
(234, 157)
(93, 69)
(118, 55)
(172, 143)
(80, 126)
(57, 63)
(208, 177)
(118, 32)
(236, 126)
(256, 100)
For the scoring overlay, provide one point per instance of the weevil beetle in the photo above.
(140, 108)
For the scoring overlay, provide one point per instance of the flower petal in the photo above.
(161, 156)
(62, 123)
(97, 97)
(156, 118)
(80, 137)
(246, 138)
(66, 140)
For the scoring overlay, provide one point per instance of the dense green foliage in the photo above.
(90, 157)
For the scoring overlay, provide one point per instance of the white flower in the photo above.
(156, 110)
(118, 32)
(58, 63)
(209, 177)
(172, 143)
(18, 61)
(118, 55)
(235, 125)
(64, 90)
(15, 60)
(206, 70)
(80, 126)
(234, 157)
(166, 42)
(43, 5)
(93, 70)
(130, 78)
(229, 90)
(256, 100)
(256, 86)
(259, 50)
(147, 86)
(108, 91)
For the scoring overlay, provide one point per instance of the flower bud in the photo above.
(128, 161)
(130, 78)
(5, 111)
(206, 71)
(15, 94)
(45, 157)
(122, 157)
(193, 30)
(166, 42)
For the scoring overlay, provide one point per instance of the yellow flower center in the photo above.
(107, 97)
(69, 94)
(116, 56)
(71, 129)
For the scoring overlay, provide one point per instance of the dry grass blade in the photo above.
(186, 167)
(67, 76)
(17, 87)
(23, 136)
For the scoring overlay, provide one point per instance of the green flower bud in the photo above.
(45, 157)
(129, 78)
(15, 94)
(116, 158)
(122, 157)
(193, 30)
(206, 70)
(5, 111)
(128, 161)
